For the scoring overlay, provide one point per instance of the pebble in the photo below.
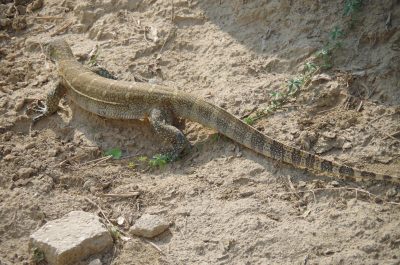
(335, 183)
(25, 172)
(9, 157)
(29, 145)
(391, 192)
(149, 226)
(95, 262)
(347, 145)
(369, 248)
(302, 184)
(88, 184)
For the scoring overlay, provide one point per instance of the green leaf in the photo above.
(249, 120)
(336, 33)
(159, 160)
(352, 6)
(276, 95)
(142, 158)
(115, 153)
(309, 67)
(38, 255)
(294, 84)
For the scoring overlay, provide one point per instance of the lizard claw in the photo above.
(43, 111)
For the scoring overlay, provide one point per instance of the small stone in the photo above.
(9, 157)
(335, 183)
(391, 192)
(329, 135)
(29, 145)
(302, 184)
(19, 104)
(246, 194)
(88, 184)
(72, 238)
(321, 77)
(95, 262)
(371, 247)
(149, 226)
(120, 220)
(36, 4)
(347, 145)
(52, 153)
(25, 172)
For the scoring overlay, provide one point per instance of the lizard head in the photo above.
(58, 49)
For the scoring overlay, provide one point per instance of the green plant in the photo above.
(324, 56)
(37, 256)
(276, 99)
(336, 33)
(115, 153)
(309, 67)
(159, 160)
(351, 6)
(294, 86)
(115, 233)
(93, 58)
(142, 158)
(132, 165)
(249, 120)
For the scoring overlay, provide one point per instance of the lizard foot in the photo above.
(42, 109)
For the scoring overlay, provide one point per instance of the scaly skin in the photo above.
(126, 100)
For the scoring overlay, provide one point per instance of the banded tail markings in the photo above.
(277, 150)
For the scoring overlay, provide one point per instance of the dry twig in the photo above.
(154, 246)
(62, 28)
(123, 195)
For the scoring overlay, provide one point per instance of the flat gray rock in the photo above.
(149, 226)
(71, 238)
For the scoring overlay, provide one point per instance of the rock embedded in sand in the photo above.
(71, 238)
(149, 226)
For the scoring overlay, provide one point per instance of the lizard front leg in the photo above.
(101, 71)
(51, 104)
(161, 121)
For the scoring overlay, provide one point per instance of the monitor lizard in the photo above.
(160, 105)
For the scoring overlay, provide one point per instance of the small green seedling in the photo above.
(115, 153)
(336, 33)
(309, 67)
(294, 86)
(352, 6)
(249, 120)
(132, 165)
(142, 158)
(115, 234)
(37, 256)
(325, 55)
(159, 160)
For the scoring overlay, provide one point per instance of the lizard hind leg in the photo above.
(161, 120)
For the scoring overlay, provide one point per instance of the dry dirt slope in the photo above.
(226, 204)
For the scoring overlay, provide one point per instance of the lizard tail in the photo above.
(212, 116)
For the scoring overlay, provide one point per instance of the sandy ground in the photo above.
(226, 204)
